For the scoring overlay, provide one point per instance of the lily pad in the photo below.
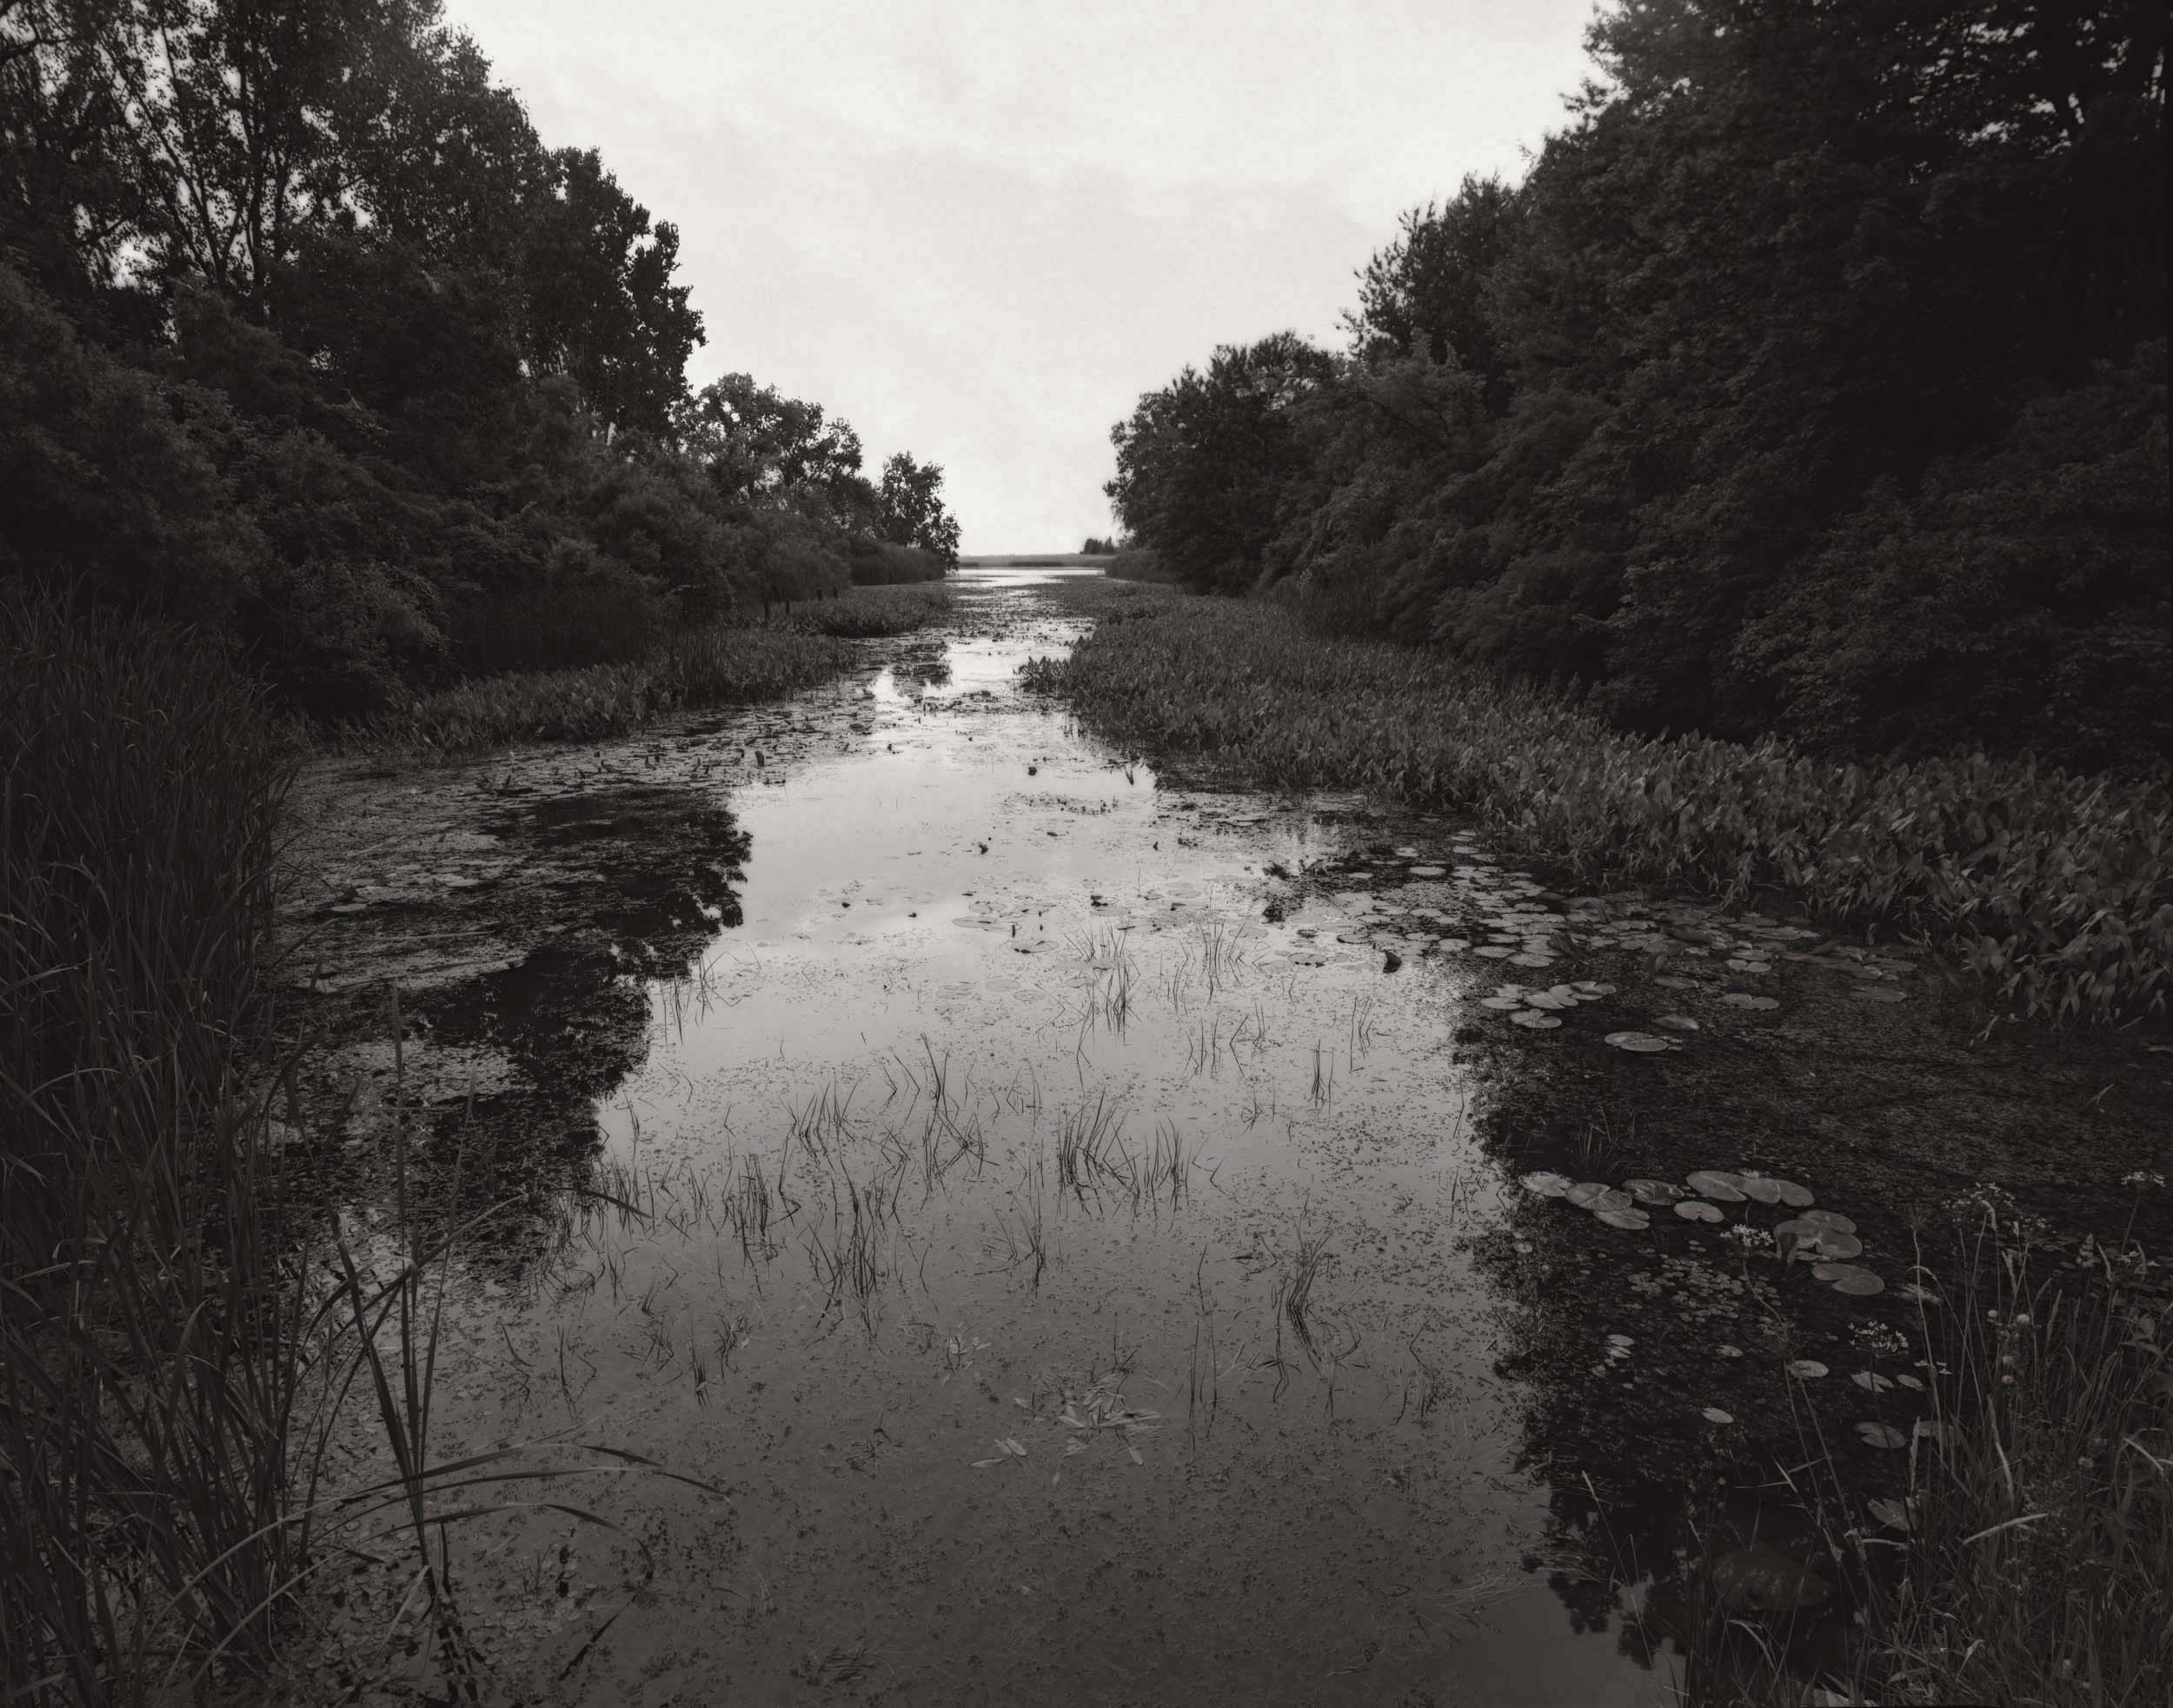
(1796, 1196)
(1848, 1278)
(1655, 1191)
(1882, 1435)
(1547, 1183)
(1919, 1295)
(1677, 1022)
(1726, 1351)
(1696, 1210)
(1894, 1514)
(1714, 1414)
(1613, 1199)
(1717, 1184)
(1756, 1187)
(1638, 1043)
(1937, 1431)
(1494, 951)
(1745, 999)
(1586, 1194)
(1625, 1218)
(1836, 1245)
(1871, 1382)
(1912, 1383)
(1591, 991)
(1804, 1368)
(1532, 1020)
(1831, 1218)
(1502, 1004)
(1428, 872)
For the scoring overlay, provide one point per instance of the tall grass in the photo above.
(2058, 889)
(714, 666)
(175, 1344)
(146, 1392)
(2026, 1556)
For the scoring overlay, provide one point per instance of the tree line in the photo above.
(1812, 381)
(306, 337)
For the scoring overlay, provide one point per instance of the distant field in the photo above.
(1038, 561)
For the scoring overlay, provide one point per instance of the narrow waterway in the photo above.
(1096, 1239)
(1051, 1243)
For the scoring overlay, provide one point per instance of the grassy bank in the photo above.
(2056, 889)
(148, 1387)
(803, 645)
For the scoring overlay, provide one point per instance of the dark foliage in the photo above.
(1812, 382)
(306, 337)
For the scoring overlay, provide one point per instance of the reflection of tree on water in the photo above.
(1659, 1520)
(570, 1023)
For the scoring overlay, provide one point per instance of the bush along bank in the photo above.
(2056, 889)
(715, 666)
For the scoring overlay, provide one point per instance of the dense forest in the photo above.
(1812, 382)
(306, 337)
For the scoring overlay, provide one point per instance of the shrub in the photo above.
(2057, 889)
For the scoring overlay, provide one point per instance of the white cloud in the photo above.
(979, 231)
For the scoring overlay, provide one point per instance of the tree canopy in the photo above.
(306, 334)
(1812, 379)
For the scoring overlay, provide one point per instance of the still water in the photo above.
(1054, 1240)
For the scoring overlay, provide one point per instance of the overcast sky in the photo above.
(978, 231)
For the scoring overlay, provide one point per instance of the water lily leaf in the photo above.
(1548, 1184)
(1891, 1513)
(1453, 944)
(1849, 1278)
(1745, 999)
(1831, 1218)
(1501, 1004)
(1532, 1020)
(1495, 951)
(1714, 1414)
(1586, 1193)
(1743, 963)
(1677, 1022)
(1429, 872)
(1792, 1194)
(1716, 1183)
(1638, 1043)
(1591, 992)
(1548, 1000)
(1878, 994)
(1613, 1199)
(1621, 1340)
(1758, 1187)
(1528, 958)
(1696, 1210)
(1833, 1244)
(1882, 1435)
(1912, 1383)
(1723, 1349)
(1937, 1431)
(1625, 1219)
(1804, 1368)
(1920, 1295)
(1654, 1191)
(1871, 1382)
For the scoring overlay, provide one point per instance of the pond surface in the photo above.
(1074, 1220)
